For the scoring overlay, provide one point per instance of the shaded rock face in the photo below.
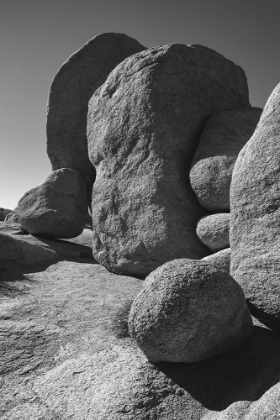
(4, 213)
(144, 124)
(57, 208)
(223, 137)
(71, 89)
(220, 259)
(213, 231)
(255, 214)
(188, 311)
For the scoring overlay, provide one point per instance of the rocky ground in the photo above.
(65, 351)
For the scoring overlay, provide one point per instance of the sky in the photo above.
(37, 37)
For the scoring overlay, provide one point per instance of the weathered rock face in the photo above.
(255, 213)
(188, 311)
(213, 231)
(220, 259)
(144, 124)
(223, 137)
(71, 89)
(57, 208)
(12, 218)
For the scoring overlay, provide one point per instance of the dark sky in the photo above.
(37, 36)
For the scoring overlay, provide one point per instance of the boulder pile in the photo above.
(180, 175)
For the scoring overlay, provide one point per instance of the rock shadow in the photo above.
(67, 250)
(13, 284)
(243, 373)
(266, 319)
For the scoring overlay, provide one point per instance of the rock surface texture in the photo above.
(71, 89)
(188, 311)
(57, 208)
(144, 125)
(213, 231)
(255, 214)
(220, 259)
(223, 137)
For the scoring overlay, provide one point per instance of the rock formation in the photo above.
(143, 128)
(255, 214)
(188, 311)
(165, 127)
(223, 137)
(71, 89)
(57, 208)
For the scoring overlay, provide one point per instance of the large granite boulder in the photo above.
(223, 137)
(188, 311)
(57, 208)
(70, 91)
(213, 231)
(144, 125)
(255, 214)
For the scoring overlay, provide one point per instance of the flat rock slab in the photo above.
(35, 251)
(60, 356)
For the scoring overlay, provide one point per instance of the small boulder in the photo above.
(57, 208)
(188, 311)
(213, 231)
(220, 259)
(223, 137)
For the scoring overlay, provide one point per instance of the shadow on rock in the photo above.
(13, 284)
(244, 373)
(266, 319)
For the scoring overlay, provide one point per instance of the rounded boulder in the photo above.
(213, 231)
(188, 311)
(57, 208)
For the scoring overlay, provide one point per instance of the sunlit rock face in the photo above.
(255, 214)
(144, 126)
